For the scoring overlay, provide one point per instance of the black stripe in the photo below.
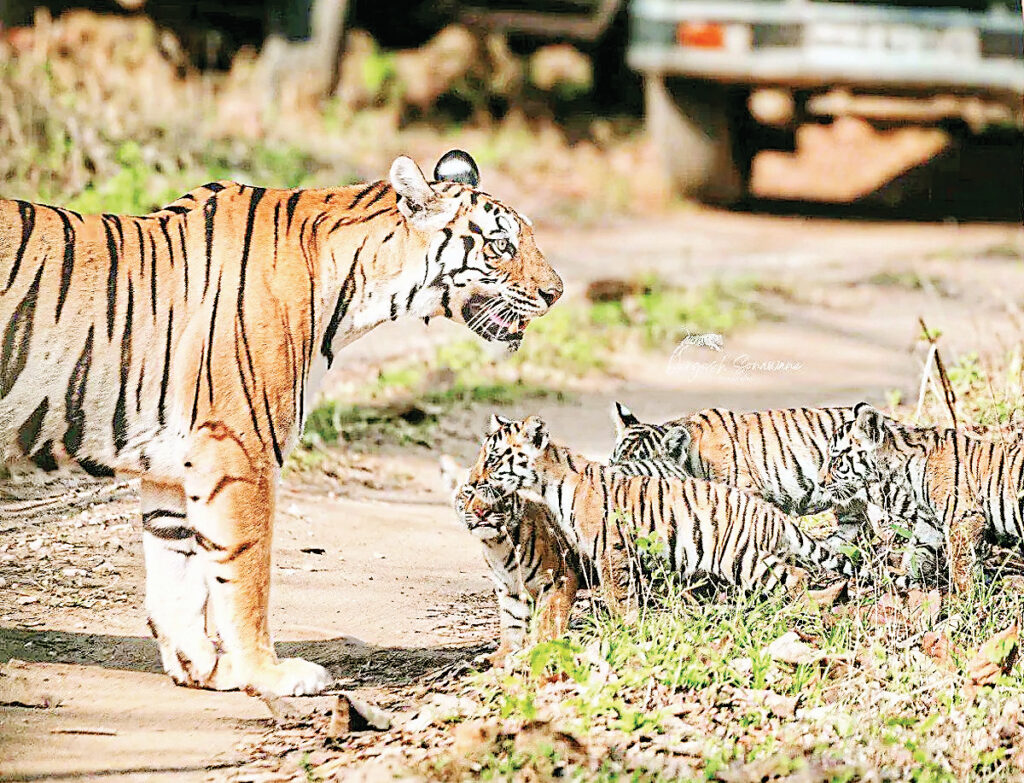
(178, 209)
(28, 221)
(167, 369)
(152, 274)
(94, 468)
(68, 267)
(209, 212)
(254, 201)
(340, 307)
(18, 338)
(209, 341)
(214, 187)
(273, 432)
(111, 277)
(28, 432)
(184, 254)
(119, 423)
(44, 459)
(149, 516)
(383, 191)
(293, 201)
(74, 398)
(362, 193)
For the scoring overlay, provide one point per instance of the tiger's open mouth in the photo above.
(494, 320)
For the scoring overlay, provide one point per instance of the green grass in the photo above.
(686, 691)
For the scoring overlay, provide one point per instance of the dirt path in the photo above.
(372, 578)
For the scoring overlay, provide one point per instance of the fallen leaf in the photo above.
(352, 714)
(938, 647)
(776, 703)
(925, 605)
(995, 657)
(789, 649)
(829, 595)
(474, 737)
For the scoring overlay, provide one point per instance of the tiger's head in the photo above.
(637, 440)
(508, 457)
(484, 519)
(483, 265)
(861, 454)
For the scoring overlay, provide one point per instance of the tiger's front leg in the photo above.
(176, 592)
(230, 506)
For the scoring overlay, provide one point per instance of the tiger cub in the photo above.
(962, 487)
(531, 564)
(707, 527)
(777, 454)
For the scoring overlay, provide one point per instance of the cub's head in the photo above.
(485, 520)
(637, 440)
(483, 266)
(508, 457)
(860, 453)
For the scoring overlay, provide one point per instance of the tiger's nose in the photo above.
(550, 295)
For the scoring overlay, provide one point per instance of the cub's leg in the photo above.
(852, 525)
(964, 535)
(514, 618)
(176, 593)
(230, 495)
(923, 555)
(553, 618)
(769, 572)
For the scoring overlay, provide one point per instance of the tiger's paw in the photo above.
(290, 677)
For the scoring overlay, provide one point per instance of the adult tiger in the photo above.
(183, 347)
(703, 526)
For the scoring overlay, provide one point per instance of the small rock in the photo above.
(28, 599)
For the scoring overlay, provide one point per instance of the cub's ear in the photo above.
(870, 424)
(497, 422)
(452, 474)
(416, 199)
(622, 417)
(536, 432)
(457, 166)
(675, 444)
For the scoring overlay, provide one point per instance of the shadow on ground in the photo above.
(347, 657)
(973, 179)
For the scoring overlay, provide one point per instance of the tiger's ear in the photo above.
(457, 166)
(452, 474)
(497, 422)
(869, 424)
(417, 201)
(675, 444)
(622, 417)
(536, 432)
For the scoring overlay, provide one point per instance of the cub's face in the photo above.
(508, 457)
(637, 440)
(860, 454)
(483, 266)
(483, 519)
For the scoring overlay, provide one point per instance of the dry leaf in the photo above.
(789, 649)
(353, 714)
(925, 605)
(995, 657)
(938, 647)
(474, 737)
(777, 703)
(829, 595)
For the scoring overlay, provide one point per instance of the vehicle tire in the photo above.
(699, 129)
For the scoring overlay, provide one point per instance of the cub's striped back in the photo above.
(777, 454)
